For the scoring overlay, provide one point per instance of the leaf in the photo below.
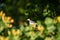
(28, 4)
(58, 37)
(51, 28)
(27, 28)
(27, 34)
(2, 26)
(58, 26)
(46, 13)
(39, 22)
(48, 21)
(11, 37)
(34, 36)
(26, 13)
(45, 10)
(21, 27)
(21, 10)
(16, 38)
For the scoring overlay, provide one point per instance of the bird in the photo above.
(31, 22)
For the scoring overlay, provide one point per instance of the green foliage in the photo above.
(2, 25)
(44, 12)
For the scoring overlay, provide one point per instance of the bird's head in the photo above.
(28, 19)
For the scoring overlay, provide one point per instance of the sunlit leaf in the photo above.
(21, 27)
(27, 28)
(51, 28)
(48, 21)
(46, 13)
(26, 13)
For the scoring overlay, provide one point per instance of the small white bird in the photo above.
(31, 22)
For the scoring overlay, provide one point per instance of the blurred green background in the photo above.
(46, 13)
(32, 9)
